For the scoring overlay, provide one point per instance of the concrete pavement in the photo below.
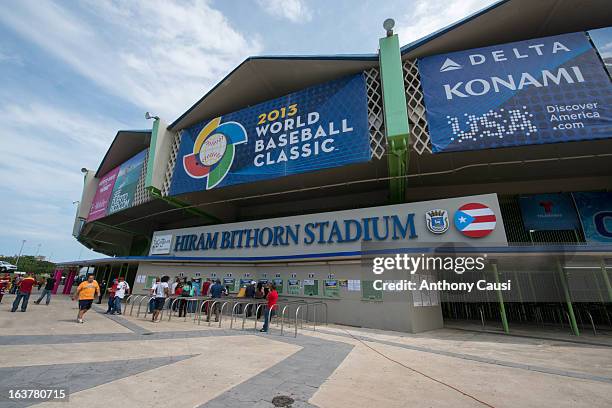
(123, 360)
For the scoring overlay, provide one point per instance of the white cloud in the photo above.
(427, 16)
(6, 57)
(296, 11)
(159, 55)
(43, 148)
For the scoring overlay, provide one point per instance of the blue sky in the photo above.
(74, 72)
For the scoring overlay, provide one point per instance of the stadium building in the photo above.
(489, 137)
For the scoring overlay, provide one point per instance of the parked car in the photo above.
(7, 267)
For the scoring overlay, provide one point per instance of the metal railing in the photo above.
(148, 298)
(132, 300)
(314, 305)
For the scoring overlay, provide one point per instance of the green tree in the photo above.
(28, 263)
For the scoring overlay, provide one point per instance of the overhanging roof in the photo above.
(513, 20)
(258, 79)
(126, 144)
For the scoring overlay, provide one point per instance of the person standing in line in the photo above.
(86, 292)
(186, 293)
(123, 288)
(206, 286)
(216, 291)
(271, 307)
(174, 285)
(102, 290)
(111, 297)
(250, 293)
(161, 291)
(47, 291)
(24, 288)
(259, 294)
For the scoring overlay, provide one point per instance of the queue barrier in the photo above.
(202, 307)
(285, 309)
(243, 302)
(249, 306)
(149, 299)
(229, 307)
(314, 305)
(167, 302)
(132, 300)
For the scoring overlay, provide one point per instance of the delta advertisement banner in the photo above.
(595, 210)
(545, 90)
(117, 188)
(316, 128)
(548, 212)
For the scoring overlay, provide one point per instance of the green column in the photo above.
(568, 299)
(606, 279)
(395, 115)
(500, 299)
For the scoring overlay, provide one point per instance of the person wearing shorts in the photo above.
(86, 292)
(160, 290)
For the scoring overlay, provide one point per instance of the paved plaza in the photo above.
(131, 362)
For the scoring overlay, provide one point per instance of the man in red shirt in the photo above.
(270, 311)
(24, 289)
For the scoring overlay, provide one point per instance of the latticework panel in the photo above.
(375, 113)
(141, 195)
(171, 162)
(419, 134)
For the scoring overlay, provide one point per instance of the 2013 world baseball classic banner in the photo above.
(544, 90)
(316, 128)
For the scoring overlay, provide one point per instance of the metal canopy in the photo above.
(513, 20)
(258, 79)
(126, 144)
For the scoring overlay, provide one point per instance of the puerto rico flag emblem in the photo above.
(475, 220)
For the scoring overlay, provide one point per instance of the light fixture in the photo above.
(388, 25)
(148, 116)
(84, 170)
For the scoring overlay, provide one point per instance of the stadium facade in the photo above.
(492, 136)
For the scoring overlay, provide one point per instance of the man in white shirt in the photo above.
(161, 291)
(123, 288)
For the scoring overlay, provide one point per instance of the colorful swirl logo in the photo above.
(214, 150)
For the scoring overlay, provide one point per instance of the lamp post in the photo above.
(20, 250)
